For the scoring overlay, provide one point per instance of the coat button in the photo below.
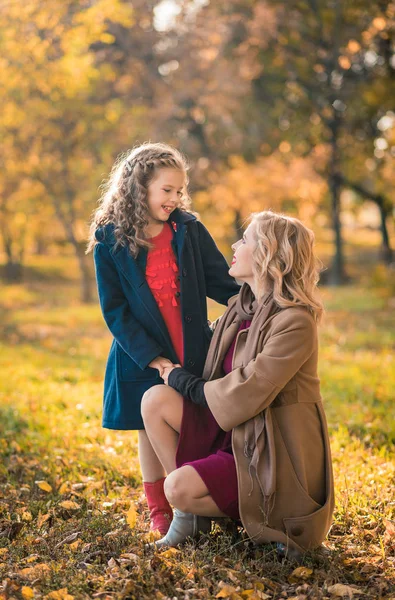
(296, 531)
(191, 363)
(177, 294)
(188, 318)
(184, 272)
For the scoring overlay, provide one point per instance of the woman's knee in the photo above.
(177, 489)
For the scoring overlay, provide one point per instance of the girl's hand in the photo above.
(166, 373)
(160, 363)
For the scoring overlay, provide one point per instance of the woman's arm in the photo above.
(220, 285)
(186, 384)
(246, 391)
(127, 331)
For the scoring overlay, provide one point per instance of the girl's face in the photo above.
(164, 193)
(241, 267)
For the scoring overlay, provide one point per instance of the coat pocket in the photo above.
(130, 371)
(301, 502)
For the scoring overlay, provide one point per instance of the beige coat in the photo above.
(271, 400)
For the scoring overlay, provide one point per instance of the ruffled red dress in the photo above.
(162, 278)
(208, 449)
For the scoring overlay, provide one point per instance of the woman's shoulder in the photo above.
(293, 318)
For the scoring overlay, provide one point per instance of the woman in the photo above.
(250, 439)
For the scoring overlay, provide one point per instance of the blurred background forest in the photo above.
(282, 105)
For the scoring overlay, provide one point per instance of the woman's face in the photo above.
(241, 267)
(164, 193)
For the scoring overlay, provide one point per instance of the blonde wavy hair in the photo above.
(284, 257)
(124, 199)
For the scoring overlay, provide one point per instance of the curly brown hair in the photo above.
(124, 199)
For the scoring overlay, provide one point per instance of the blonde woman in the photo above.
(249, 440)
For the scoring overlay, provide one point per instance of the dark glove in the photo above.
(188, 385)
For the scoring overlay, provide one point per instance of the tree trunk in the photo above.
(337, 274)
(13, 272)
(386, 250)
(86, 281)
(13, 269)
(68, 224)
(384, 207)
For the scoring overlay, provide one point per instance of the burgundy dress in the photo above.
(208, 449)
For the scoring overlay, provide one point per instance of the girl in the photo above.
(155, 265)
(253, 441)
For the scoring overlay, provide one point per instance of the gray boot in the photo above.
(183, 526)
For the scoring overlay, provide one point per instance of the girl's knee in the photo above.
(177, 490)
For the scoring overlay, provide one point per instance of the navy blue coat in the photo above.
(135, 321)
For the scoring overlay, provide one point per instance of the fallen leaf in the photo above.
(112, 563)
(78, 486)
(253, 595)
(151, 536)
(300, 573)
(74, 545)
(170, 552)
(3, 551)
(27, 592)
(69, 505)
(226, 591)
(36, 572)
(64, 488)
(131, 516)
(44, 485)
(32, 558)
(41, 519)
(389, 533)
(131, 556)
(27, 516)
(67, 540)
(61, 594)
(340, 590)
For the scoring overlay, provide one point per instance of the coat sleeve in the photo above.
(220, 285)
(125, 328)
(246, 391)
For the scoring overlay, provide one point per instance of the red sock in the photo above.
(161, 514)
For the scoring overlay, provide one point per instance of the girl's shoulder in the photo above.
(183, 216)
(105, 234)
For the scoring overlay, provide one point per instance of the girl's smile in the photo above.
(164, 194)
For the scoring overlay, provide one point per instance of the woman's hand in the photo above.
(166, 373)
(161, 363)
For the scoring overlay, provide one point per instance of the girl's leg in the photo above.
(161, 409)
(186, 490)
(151, 467)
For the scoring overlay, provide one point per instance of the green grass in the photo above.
(52, 358)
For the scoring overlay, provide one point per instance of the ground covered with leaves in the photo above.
(73, 520)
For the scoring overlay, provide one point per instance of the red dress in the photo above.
(208, 449)
(162, 278)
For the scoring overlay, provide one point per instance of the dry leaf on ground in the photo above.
(44, 485)
(61, 594)
(27, 592)
(131, 516)
(341, 591)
